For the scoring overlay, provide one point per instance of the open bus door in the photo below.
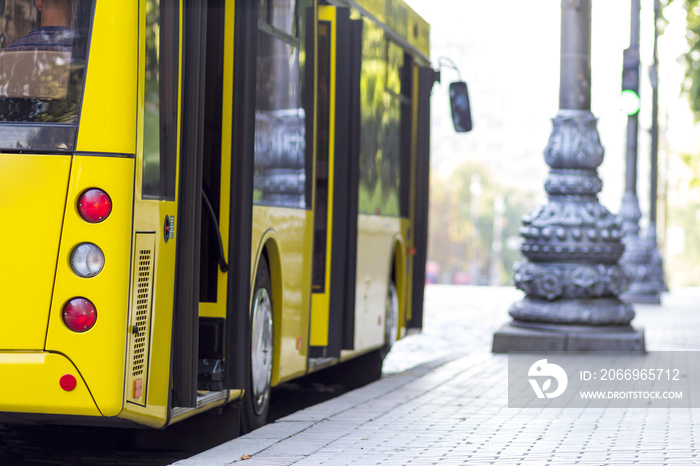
(213, 286)
(194, 338)
(338, 52)
(421, 191)
(155, 216)
(339, 57)
(164, 315)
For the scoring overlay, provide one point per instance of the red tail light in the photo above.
(79, 314)
(94, 205)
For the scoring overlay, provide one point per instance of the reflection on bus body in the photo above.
(279, 157)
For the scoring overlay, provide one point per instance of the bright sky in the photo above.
(508, 52)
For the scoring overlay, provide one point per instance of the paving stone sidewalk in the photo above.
(454, 410)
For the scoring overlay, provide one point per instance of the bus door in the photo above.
(156, 217)
(212, 290)
(419, 193)
(180, 278)
(182, 213)
(338, 54)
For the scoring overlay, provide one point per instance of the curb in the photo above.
(333, 418)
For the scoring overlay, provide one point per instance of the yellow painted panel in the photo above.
(108, 118)
(218, 309)
(149, 216)
(31, 383)
(97, 353)
(226, 125)
(140, 314)
(375, 249)
(320, 302)
(403, 273)
(32, 199)
(418, 33)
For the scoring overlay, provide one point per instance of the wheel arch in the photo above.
(269, 250)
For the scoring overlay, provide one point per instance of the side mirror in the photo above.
(459, 102)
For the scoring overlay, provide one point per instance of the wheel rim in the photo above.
(261, 349)
(392, 315)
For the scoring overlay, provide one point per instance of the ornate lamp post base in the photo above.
(572, 246)
(600, 324)
(524, 336)
(609, 311)
(642, 298)
(644, 267)
(656, 263)
(644, 286)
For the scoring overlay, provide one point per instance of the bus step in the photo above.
(211, 374)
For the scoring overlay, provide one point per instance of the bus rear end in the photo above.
(143, 207)
(67, 151)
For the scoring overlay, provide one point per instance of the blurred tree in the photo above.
(684, 257)
(462, 225)
(693, 163)
(692, 56)
(684, 209)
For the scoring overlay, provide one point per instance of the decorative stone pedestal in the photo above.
(572, 246)
(518, 336)
(644, 287)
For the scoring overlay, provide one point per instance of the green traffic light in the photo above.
(630, 102)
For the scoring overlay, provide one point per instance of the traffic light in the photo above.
(630, 101)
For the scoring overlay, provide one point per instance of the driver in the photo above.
(54, 33)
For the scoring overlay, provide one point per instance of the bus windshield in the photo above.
(42, 59)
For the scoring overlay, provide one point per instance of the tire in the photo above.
(391, 317)
(256, 400)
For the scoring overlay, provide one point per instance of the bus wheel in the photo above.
(256, 401)
(391, 317)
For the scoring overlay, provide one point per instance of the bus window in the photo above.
(280, 177)
(42, 59)
(278, 14)
(391, 153)
(160, 100)
(381, 101)
(406, 134)
(323, 106)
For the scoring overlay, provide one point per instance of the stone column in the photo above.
(656, 265)
(638, 250)
(571, 245)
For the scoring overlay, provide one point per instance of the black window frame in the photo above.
(297, 193)
(168, 91)
(54, 137)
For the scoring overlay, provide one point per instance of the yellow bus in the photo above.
(202, 199)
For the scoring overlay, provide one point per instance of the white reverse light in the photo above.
(87, 260)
